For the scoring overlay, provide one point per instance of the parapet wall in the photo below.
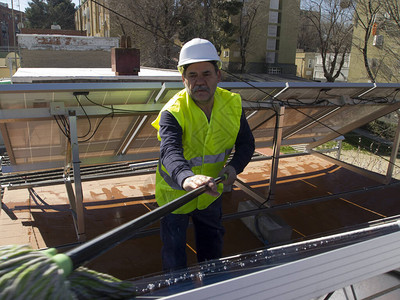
(65, 51)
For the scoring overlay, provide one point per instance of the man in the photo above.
(198, 129)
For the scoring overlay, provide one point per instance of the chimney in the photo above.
(125, 60)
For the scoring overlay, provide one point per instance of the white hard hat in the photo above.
(197, 50)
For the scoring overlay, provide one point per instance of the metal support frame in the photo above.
(154, 104)
(138, 124)
(316, 120)
(369, 174)
(339, 143)
(276, 151)
(373, 116)
(393, 155)
(249, 191)
(166, 87)
(72, 200)
(76, 198)
(134, 130)
(7, 142)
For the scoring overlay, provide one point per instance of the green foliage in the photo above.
(366, 144)
(287, 150)
(348, 146)
(382, 129)
(328, 145)
(42, 14)
(333, 144)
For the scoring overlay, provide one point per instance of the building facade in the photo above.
(273, 39)
(305, 62)
(11, 23)
(94, 19)
(319, 70)
(309, 66)
(383, 48)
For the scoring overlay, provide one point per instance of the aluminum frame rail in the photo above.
(306, 278)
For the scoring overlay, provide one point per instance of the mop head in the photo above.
(26, 273)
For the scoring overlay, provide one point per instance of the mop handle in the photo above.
(97, 246)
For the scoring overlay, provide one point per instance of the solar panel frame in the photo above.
(34, 137)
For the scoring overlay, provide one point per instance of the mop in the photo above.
(26, 273)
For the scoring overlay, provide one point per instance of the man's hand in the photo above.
(231, 172)
(193, 182)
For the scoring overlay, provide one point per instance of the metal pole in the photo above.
(276, 151)
(13, 32)
(77, 176)
(395, 150)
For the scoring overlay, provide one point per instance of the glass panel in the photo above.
(214, 271)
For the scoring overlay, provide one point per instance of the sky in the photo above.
(21, 5)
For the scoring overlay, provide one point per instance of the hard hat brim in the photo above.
(193, 61)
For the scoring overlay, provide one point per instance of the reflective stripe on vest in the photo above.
(210, 159)
(197, 161)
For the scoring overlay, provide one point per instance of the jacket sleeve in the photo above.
(244, 146)
(171, 149)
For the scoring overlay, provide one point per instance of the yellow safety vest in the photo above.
(206, 145)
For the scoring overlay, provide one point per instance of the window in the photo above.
(271, 44)
(273, 17)
(270, 57)
(274, 70)
(274, 4)
(272, 30)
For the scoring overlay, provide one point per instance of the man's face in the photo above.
(201, 81)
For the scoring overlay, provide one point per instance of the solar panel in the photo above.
(46, 126)
(114, 119)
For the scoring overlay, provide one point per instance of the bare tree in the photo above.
(247, 16)
(308, 38)
(209, 19)
(162, 19)
(334, 27)
(152, 26)
(365, 13)
(391, 27)
(392, 8)
(380, 41)
(157, 27)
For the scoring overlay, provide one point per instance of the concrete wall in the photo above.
(5, 72)
(62, 51)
